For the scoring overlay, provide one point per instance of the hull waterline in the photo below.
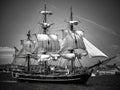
(79, 78)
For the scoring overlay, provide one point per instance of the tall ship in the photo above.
(47, 58)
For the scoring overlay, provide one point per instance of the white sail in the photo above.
(73, 40)
(49, 43)
(28, 46)
(92, 50)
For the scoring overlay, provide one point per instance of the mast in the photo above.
(63, 34)
(28, 35)
(28, 55)
(76, 40)
(45, 15)
(28, 62)
(44, 24)
(71, 28)
(45, 19)
(72, 65)
(72, 22)
(71, 19)
(46, 41)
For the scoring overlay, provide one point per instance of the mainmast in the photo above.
(44, 24)
(45, 15)
(47, 42)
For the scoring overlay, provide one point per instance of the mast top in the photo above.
(71, 14)
(44, 24)
(28, 35)
(72, 22)
(45, 12)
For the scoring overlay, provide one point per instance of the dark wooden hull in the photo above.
(81, 78)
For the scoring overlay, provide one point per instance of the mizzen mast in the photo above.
(71, 19)
(72, 22)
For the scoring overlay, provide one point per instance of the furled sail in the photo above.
(73, 40)
(48, 43)
(92, 50)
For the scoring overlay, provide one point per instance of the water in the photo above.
(109, 82)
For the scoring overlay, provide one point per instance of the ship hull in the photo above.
(78, 78)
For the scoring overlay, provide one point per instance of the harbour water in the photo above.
(104, 82)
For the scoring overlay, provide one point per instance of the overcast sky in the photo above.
(100, 20)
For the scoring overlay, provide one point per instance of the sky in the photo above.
(99, 19)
